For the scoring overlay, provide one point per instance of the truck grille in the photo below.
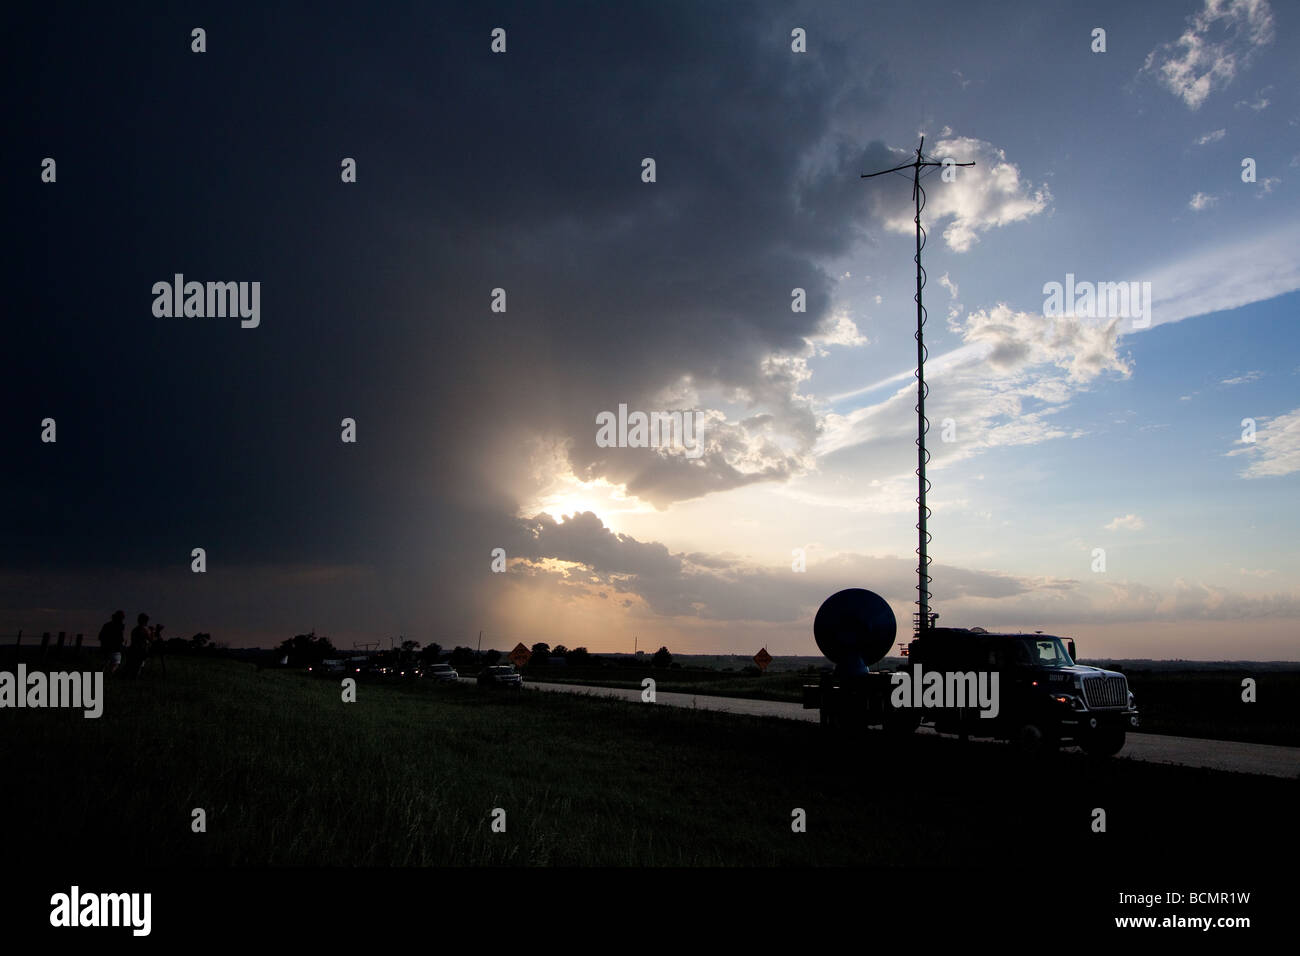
(1105, 691)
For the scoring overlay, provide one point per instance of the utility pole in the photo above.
(923, 620)
(480, 642)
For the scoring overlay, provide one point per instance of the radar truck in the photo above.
(1041, 698)
(1028, 687)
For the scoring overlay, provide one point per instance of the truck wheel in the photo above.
(1104, 743)
(1032, 741)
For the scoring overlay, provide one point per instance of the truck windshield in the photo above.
(1046, 651)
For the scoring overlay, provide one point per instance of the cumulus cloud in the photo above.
(838, 329)
(583, 553)
(1219, 41)
(1083, 348)
(990, 194)
(1002, 387)
(1276, 448)
(1212, 137)
(1129, 522)
(1200, 201)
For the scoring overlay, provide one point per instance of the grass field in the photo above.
(409, 775)
(1199, 703)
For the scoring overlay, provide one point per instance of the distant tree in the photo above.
(541, 654)
(408, 649)
(199, 641)
(578, 656)
(307, 648)
(461, 655)
(430, 653)
(662, 658)
(491, 657)
(560, 651)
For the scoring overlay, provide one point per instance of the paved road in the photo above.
(1265, 759)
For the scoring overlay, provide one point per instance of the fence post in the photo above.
(45, 644)
(18, 645)
(58, 652)
(78, 650)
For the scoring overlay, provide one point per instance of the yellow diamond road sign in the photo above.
(762, 659)
(519, 656)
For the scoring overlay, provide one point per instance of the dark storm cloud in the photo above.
(519, 171)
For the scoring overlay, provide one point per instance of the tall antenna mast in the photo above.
(923, 620)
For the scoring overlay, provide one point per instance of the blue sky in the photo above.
(524, 171)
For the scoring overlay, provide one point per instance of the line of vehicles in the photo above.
(495, 675)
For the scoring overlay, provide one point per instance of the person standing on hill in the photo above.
(139, 649)
(112, 638)
(158, 647)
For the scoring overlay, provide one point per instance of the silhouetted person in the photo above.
(112, 638)
(158, 647)
(139, 649)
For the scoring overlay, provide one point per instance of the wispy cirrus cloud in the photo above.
(1252, 376)
(1226, 276)
(1276, 448)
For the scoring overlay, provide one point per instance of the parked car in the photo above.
(442, 672)
(501, 675)
(328, 666)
